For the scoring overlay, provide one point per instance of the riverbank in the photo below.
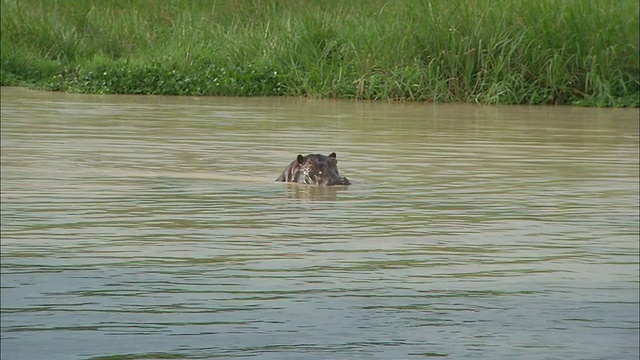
(493, 52)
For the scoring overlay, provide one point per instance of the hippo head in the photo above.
(319, 169)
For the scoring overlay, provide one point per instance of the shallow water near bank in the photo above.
(152, 227)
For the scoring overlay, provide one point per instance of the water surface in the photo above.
(151, 227)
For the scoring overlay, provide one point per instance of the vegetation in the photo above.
(488, 51)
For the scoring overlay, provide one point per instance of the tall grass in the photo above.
(487, 51)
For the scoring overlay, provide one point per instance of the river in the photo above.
(144, 227)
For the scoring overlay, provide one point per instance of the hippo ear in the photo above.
(333, 155)
(300, 159)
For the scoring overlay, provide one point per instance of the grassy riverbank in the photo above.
(489, 51)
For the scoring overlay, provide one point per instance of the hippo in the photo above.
(314, 169)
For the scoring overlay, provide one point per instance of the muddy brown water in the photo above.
(151, 227)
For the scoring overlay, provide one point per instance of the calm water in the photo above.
(151, 227)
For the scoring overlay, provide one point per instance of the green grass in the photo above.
(582, 52)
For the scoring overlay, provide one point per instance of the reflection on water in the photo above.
(152, 227)
(310, 192)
